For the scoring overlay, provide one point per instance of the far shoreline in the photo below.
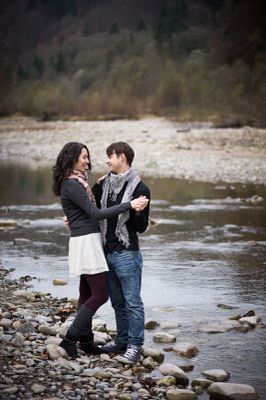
(164, 149)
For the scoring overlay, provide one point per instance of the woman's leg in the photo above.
(84, 291)
(98, 289)
(81, 328)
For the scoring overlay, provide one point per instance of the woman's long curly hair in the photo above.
(65, 164)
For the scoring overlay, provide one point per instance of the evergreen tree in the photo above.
(60, 62)
(114, 28)
(141, 26)
(39, 66)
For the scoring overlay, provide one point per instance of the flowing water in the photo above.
(208, 247)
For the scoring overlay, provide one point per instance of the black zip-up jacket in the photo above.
(81, 212)
(136, 223)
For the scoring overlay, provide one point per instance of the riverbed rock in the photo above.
(8, 223)
(23, 293)
(22, 242)
(59, 282)
(5, 323)
(204, 383)
(53, 340)
(163, 337)
(232, 391)
(36, 388)
(219, 327)
(252, 321)
(185, 349)
(217, 375)
(18, 340)
(167, 380)
(54, 352)
(180, 394)
(226, 306)
(155, 354)
(173, 370)
(151, 324)
(47, 330)
(149, 363)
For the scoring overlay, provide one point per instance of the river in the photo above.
(208, 247)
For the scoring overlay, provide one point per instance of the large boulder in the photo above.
(231, 391)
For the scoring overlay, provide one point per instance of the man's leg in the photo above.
(119, 305)
(128, 267)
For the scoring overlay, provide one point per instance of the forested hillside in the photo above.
(100, 59)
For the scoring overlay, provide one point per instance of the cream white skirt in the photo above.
(86, 255)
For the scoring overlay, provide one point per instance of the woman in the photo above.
(86, 256)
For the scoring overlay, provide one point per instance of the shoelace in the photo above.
(110, 345)
(131, 352)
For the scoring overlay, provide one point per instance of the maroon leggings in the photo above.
(93, 292)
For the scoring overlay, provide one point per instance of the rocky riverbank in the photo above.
(34, 367)
(194, 151)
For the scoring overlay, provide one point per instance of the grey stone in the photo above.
(28, 327)
(155, 354)
(232, 391)
(22, 242)
(8, 223)
(5, 323)
(18, 340)
(252, 321)
(36, 388)
(205, 383)
(217, 375)
(185, 349)
(163, 337)
(173, 370)
(180, 394)
(54, 352)
(149, 363)
(150, 324)
(47, 330)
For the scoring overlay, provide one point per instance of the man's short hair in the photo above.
(119, 148)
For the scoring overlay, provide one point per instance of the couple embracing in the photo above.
(103, 247)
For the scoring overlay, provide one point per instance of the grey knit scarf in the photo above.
(112, 186)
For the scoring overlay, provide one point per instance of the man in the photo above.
(122, 250)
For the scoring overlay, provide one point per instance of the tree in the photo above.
(141, 26)
(114, 28)
(60, 62)
(39, 66)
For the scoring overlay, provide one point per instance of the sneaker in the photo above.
(114, 347)
(132, 354)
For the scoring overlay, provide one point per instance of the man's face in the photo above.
(115, 162)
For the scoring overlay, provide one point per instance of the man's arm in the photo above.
(97, 190)
(141, 218)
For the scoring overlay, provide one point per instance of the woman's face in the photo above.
(83, 161)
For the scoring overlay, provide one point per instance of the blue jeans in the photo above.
(124, 285)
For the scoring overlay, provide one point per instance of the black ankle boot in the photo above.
(87, 344)
(69, 344)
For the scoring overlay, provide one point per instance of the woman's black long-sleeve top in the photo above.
(81, 212)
